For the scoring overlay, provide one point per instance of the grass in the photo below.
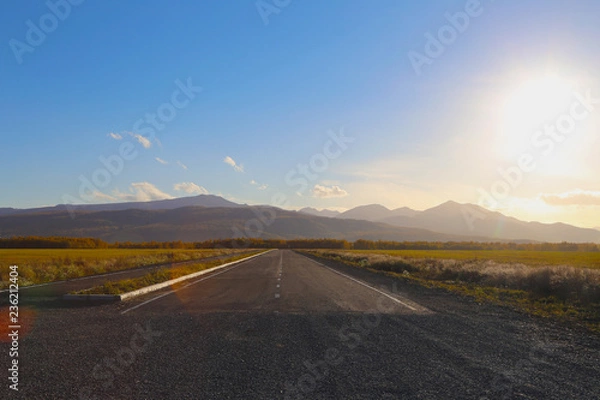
(48, 265)
(162, 275)
(532, 258)
(564, 292)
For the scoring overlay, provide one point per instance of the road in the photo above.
(53, 291)
(284, 326)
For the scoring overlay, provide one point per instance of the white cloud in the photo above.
(142, 140)
(142, 191)
(264, 186)
(100, 196)
(230, 161)
(327, 192)
(160, 160)
(182, 165)
(574, 198)
(115, 136)
(190, 187)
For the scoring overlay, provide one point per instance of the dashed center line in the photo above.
(277, 293)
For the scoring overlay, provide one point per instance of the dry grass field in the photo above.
(162, 275)
(532, 258)
(547, 285)
(47, 265)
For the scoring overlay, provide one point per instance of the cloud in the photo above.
(327, 192)
(182, 165)
(142, 191)
(160, 160)
(115, 136)
(190, 187)
(100, 196)
(230, 161)
(260, 187)
(142, 140)
(573, 198)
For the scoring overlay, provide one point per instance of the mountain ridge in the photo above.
(450, 220)
(319, 213)
(203, 200)
(205, 223)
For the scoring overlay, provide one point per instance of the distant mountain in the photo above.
(208, 216)
(203, 223)
(376, 212)
(203, 200)
(404, 212)
(7, 211)
(371, 212)
(469, 219)
(319, 213)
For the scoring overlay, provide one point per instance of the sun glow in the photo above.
(526, 108)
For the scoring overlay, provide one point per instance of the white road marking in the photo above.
(83, 278)
(365, 285)
(183, 287)
(277, 294)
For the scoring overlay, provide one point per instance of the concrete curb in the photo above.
(151, 288)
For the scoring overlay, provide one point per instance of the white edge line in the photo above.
(364, 284)
(82, 278)
(191, 276)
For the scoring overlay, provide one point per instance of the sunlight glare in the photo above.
(527, 108)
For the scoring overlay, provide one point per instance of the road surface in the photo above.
(284, 326)
(53, 291)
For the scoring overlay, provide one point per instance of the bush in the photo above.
(564, 283)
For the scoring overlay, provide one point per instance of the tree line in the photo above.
(36, 242)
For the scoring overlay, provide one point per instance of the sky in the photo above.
(304, 103)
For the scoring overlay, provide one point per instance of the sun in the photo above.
(527, 107)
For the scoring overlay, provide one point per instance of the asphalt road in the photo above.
(282, 326)
(54, 290)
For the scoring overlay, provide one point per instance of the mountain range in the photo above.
(204, 200)
(469, 219)
(206, 217)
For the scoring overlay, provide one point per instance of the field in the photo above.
(532, 258)
(162, 275)
(563, 285)
(47, 265)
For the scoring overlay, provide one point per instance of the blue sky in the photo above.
(424, 122)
